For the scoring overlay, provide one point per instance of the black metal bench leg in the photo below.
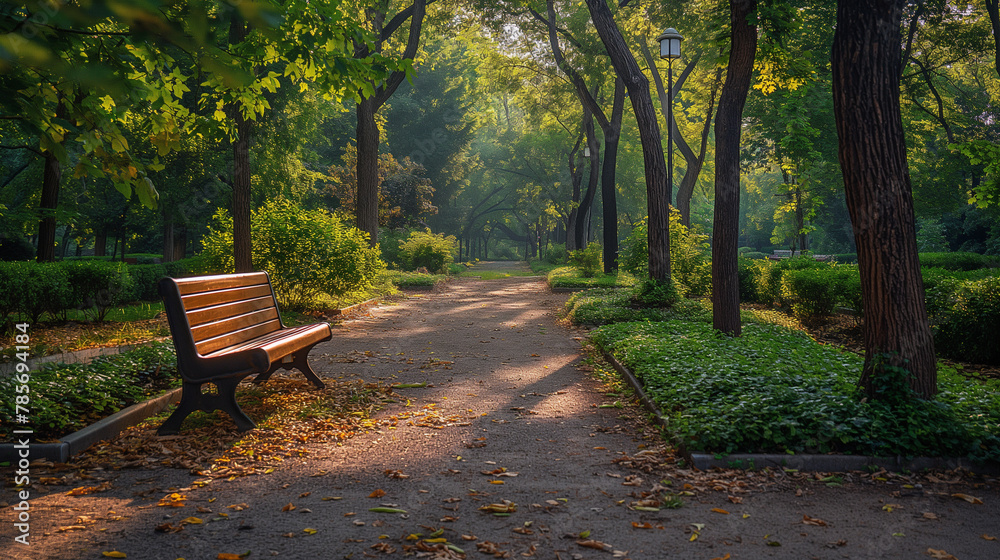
(190, 402)
(227, 403)
(301, 362)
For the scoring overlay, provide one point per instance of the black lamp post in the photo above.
(670, 49)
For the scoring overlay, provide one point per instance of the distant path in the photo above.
(509, 391)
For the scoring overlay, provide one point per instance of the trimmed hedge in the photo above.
(958, 261)
(29, 290)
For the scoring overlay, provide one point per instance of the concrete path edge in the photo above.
(804, 462)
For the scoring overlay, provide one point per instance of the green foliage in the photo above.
(746, 272)
(690, 264)
(767, 276)
(15, 248)
(571, 278)
(753, 255)
(556, 254)
(423, 249)
(957, 261)
(775, 390)
(65, 398)
(930, 236)
(389, 241)
(307, 253)
(846, 258)
(588, 260)
(145, 278)
(653, 293)
(99, 285)
(29, 289)
(604, 306)
(815, 292)
(415, 279)
(967, 329)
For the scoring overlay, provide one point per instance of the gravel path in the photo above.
(510, 417)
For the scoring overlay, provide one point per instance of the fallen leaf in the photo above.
(288, 507)
(929, 515)
(396, 474)
(172, 500)
(114, 554)
(645, 525)
(168, 528)
(469, 537)
(505, 507)
(310, 531)
(968, 498)
(378, 493)
(940, 554)
(720, 510)
(191, 521)
(596, 545)
(726, 557)
(813, 521)
(386, 510)
(72, 528)
(987, 537)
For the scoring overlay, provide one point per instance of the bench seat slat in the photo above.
(217, 297)
(232, 324)
(207, 283)
(234, 339)
(224, 311)
(281, 343)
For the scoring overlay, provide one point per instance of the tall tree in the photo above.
(658, 193)
(374, 97)
(238, 31)
(728, 129)
(872, 152)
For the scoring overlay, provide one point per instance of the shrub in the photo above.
(555, 254)
(97, 286)
(602, 306)
(744, 250)
(16, 249)
(144, 281)
(30, 289)
(968, 330)
(814, 292)
(957, 261)
(846, 258)
(754, 255)
(767, 277)
(652, 293)
(428, 250)
(745, 268)
(388, 243)
(587, 260)
(306, 252)
(690, 264)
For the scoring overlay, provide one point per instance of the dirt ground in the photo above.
(527, 457)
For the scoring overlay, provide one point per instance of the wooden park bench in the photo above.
(225, 328)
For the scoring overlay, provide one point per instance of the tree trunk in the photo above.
(993, 8)
(592, 182)
(101, 243)
(67, 233)
(865, 60)
(609, 190)
(657, 188)
(168, 239)
(242, 251)
(728, 126)
(367, 193)
(51, 176)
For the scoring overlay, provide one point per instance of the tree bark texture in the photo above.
(872, 152)
(592, 181)
(51, 176)
(101, 243)
(728, 128)
(657, 187)
(368, 184)
(242, 251)
(993, 8)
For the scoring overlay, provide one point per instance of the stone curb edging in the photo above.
(804, 462)
(356, 308)
(103, 429)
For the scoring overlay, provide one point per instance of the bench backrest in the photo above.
(223, 311)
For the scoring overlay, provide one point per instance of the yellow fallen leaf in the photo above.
(310, 531)
(968, 498)
(987, 537)
(377, 493)
(940, 554)
(720, 510)
(496, 482)
(114, 554)
(726, 557)
(191, 521)
(694, 536)
(288, 507)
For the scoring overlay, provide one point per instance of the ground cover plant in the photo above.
(776, 390)
(573, 278)
(68, 397)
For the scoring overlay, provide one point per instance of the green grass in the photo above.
(543, 267)
(414, 279)
(775, 390)
(139, 311)
(571, 277)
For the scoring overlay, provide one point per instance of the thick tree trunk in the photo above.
(993, 8)
(657, 187)
(51, 176)
(872, 153)
(609, 190)
(101, 243)
(242, 251)
(728, 127)
(367, 193)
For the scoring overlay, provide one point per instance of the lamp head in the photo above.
(670, 43)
